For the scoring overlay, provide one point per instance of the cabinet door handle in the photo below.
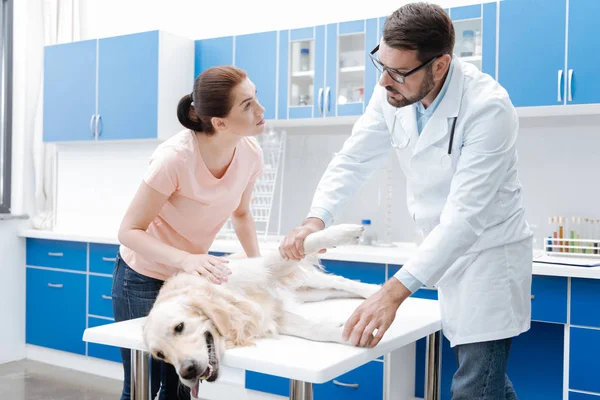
(350, 385)
(55, 285)
(98, 133)
(109, 259)
(328, 98)
(92, 125)
(570, 83)
(51, 254)
(560, 74)
(320, 100)
(532, 297)
(105, 297)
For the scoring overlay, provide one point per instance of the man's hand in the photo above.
(376, 312)
(292, 246)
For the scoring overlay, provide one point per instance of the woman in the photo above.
(196, 180)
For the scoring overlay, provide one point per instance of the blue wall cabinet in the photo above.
(212, 52)
(583, 57)
(257, 55)
(325, 71)
(69, 91)
(254, 53)
(475, 29)
(531, 64)
(124, 87)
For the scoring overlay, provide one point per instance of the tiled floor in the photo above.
(30, 380)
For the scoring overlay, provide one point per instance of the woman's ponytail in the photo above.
(186, 114)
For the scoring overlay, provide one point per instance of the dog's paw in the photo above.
(344, 234)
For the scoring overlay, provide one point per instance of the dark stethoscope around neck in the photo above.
(445, 161)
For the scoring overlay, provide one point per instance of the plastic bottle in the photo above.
(304, 59)
(367, 237)
(467, 45)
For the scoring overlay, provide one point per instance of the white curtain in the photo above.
(60, 24)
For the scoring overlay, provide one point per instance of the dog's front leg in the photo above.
(336, 235)
(297, 325)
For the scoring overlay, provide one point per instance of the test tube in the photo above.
(549, 242)
(597, 237)
(592, 237)
(578, 233)
(561, 233)
(555, 242)
(586, 233)
(572, 235)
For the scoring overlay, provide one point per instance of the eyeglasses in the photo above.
(394, 73)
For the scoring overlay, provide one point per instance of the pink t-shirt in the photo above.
(199, 204)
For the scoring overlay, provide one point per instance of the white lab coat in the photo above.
(476, 244)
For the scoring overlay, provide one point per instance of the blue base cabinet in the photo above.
(68, 289)
(55, 309)
(116, 88)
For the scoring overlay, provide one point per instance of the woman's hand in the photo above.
(211, 267)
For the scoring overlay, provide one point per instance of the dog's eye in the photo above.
(160, 355)
(179, 328)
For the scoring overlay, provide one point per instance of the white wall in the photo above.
(197, 19)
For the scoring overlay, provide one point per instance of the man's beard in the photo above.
(426, 87)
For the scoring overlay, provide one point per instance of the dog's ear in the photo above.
(231, 317)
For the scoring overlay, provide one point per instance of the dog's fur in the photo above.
(193, 321)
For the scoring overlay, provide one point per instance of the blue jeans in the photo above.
(133, 296)
(481, 373)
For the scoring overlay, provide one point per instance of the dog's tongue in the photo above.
(195, 390)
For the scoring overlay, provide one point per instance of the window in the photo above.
(6, 42)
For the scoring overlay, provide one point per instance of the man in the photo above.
(454, 130)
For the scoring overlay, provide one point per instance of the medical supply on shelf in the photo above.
(467, 44)
(304, 59)
(367, 237)
(573, 236)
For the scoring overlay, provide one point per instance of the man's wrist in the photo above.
(315, 222)
(396, 290)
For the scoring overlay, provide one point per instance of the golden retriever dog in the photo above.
(193, 321)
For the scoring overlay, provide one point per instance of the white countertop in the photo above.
(297, 358)
(397, 255)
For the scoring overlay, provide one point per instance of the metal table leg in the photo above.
(140, 376)
(432, 378)
(301, 390)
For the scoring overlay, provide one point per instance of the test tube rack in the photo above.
(577, 237)
(263, 194)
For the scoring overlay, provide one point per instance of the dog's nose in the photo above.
(188, 369)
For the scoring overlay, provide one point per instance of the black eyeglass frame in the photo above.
(396, 75)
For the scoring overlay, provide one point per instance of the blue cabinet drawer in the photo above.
(585, 302)
(109, 353)
(364, 272)
(363, 383)
(55, 312)
(584, 360)
(100, 299)
(267, 383)
(56, 254)
(103, 257)
(549, 299)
